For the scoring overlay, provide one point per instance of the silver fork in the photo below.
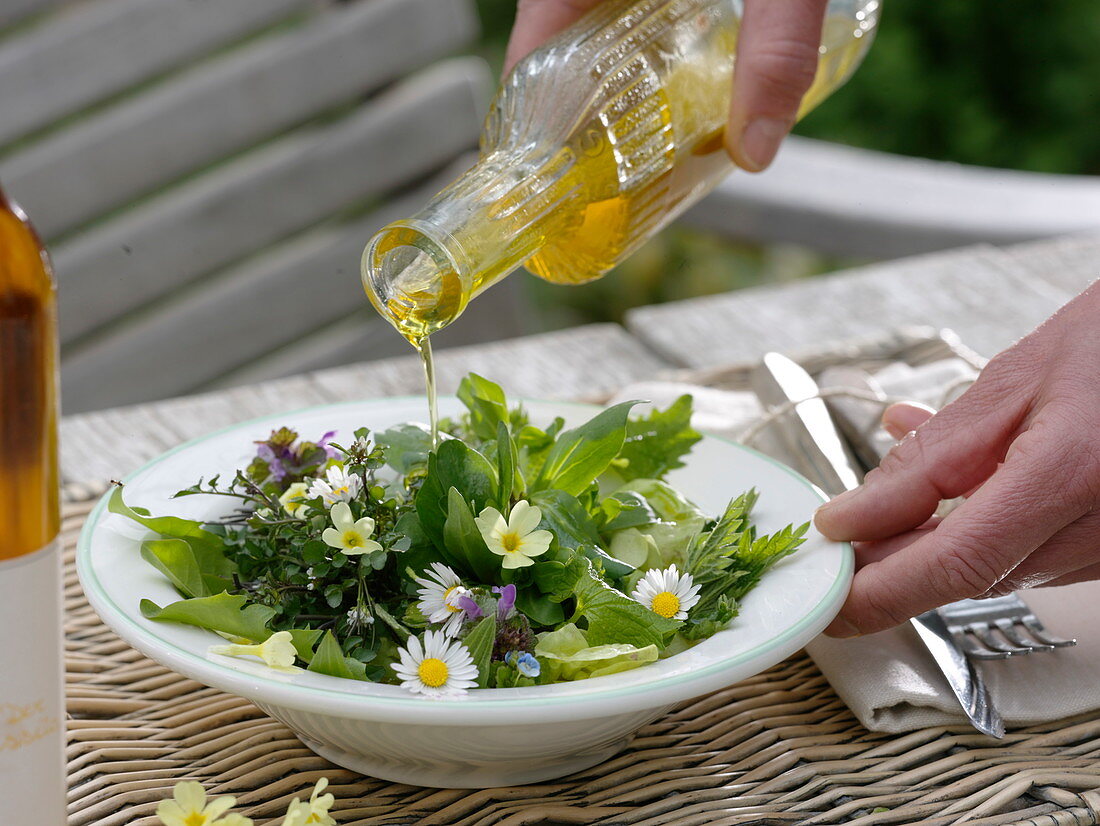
(993, 629)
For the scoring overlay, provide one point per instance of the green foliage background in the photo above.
(1001, 83)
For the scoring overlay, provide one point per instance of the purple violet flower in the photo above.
(274, 464)
(472, 609)
(507, 603)
(323, 442)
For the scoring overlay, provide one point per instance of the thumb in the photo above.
(777, 52)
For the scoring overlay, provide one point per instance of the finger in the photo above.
(1087, 574)
(905, 417)
(539, 20)
(951, 453)
(777, 51)
(1075, 547)
(1025, 503)
(868, 553)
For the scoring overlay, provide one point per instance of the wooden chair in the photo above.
(206, 173)
(857, 202)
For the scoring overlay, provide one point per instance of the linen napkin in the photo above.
(889, 679)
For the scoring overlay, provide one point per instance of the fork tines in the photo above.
(993, 629)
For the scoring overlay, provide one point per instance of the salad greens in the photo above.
(508, 555)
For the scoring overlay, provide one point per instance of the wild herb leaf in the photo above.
(566, 518)
(176, 560)
(656, 443)
(583, 453)
(613, 617)
(625, 509)
(480, 643)
(464, 542)
(407, 446)
(229, 614)
(507, 469)
(329, 659)
(208, 548)
(487, 404)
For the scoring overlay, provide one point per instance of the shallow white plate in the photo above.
(793, 603)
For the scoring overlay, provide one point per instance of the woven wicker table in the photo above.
(777, 748)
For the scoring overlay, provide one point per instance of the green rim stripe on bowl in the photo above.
(480, 699)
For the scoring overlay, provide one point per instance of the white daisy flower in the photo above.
(439, 592)
(293, 499)
(440, 668)
(337, 486)
(514, 538)
(349, 535)
(668, 593)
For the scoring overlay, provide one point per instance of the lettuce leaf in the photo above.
(566, 655)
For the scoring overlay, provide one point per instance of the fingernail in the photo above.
(843, 498)
(760, 142)
(841, 629)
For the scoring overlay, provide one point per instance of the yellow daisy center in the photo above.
(454, 609)
(195, 819)
(666, 604)
(352, 539)
(433, 672)
(511, 542)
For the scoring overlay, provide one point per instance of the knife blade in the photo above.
(812, 435)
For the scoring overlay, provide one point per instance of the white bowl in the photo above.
(491, 737)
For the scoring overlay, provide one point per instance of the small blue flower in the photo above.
(525, 663)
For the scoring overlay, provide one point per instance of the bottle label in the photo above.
(32, 711)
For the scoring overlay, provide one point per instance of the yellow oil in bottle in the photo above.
(579, 170)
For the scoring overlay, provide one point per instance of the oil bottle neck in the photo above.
(421, 272)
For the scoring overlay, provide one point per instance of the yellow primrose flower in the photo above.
(514, 538)
(277, 651)
(189, 808)
(315, 811)
(293, 499)
(349, 535)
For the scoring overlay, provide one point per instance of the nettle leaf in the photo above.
(480, 643)
(208, 548)
(407, 446)
(487, 404)
(464, 542)
(566, 518)
(329, 659)
(702, 624)
(656, 443)
(583, 453)
(229, 614)
(613, 617)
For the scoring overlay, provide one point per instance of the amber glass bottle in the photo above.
(31, 681)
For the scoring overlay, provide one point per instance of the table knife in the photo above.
(812, 435)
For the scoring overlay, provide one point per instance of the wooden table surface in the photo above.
(989, 296)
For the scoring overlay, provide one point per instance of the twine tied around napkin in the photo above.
(889, 679)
